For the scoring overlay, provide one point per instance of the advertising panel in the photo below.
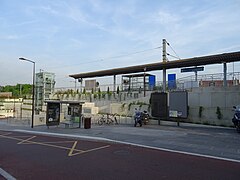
(53, 114)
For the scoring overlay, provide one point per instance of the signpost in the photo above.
(193, 69)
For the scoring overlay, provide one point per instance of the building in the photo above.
(45, 82)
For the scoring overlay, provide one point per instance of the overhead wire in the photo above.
(173, 56)
(102, 59)
(177, 56)
(111, 57)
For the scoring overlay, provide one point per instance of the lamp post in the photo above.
(33, 87)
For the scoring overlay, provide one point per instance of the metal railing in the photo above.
(233, 79)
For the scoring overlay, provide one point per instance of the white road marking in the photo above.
(6, 175)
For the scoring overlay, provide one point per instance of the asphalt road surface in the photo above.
(30, 156)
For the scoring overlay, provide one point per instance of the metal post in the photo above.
(80, 80)
(81, 87)
(195, 74)
(20, 89)
(129, 87)
(33, 96)
(164, 60)
(114, 83)
(33, 88)
(225, 74)
(233, 76)
(14, 107)
(75, 88)
(144, 82)
(122, 83)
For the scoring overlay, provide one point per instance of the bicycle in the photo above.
(107, 120)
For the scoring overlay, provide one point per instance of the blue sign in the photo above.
(171, 81)
(151, 82)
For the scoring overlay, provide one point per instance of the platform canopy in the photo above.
(195, 61)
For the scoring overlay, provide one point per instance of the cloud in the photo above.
(162, 18)
(70, 34)
(24, 23)
(10, 37)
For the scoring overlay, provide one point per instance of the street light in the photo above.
(33, 86)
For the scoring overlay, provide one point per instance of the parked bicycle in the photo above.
(107, 119)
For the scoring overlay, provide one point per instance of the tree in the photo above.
(18, 90)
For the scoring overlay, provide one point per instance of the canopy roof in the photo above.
(195, 61)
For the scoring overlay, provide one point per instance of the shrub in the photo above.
(219, 114)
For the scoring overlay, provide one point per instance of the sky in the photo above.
(72, 36)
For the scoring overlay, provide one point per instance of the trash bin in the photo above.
(87, 123)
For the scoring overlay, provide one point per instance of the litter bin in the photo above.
(87, 123)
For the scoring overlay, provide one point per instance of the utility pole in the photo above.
(164, 45)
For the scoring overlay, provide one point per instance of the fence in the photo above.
(233, 79)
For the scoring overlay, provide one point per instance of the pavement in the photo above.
(199, 140)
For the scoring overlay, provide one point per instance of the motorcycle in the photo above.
(138, 119)
(145, 117)
(236, 117)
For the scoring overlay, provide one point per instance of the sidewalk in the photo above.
(191, 138)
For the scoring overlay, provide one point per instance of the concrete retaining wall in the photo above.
(209, 98)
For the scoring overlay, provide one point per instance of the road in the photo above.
(31, 156)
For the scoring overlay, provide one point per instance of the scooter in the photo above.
(145, 117)
(138, 119)
(236, 117)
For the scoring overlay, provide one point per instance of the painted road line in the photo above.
(73, 148)
(6, 175)
(58, 142)
(26, 140)
(90, 150)
(5, 134)
(39, 143)
(94, 149)
(79, 151)
(122, 142)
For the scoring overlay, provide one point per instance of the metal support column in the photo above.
(195, 74)
(114, 83)
(80, 80)
(144, 82)
(75, 87)
(225, 74)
